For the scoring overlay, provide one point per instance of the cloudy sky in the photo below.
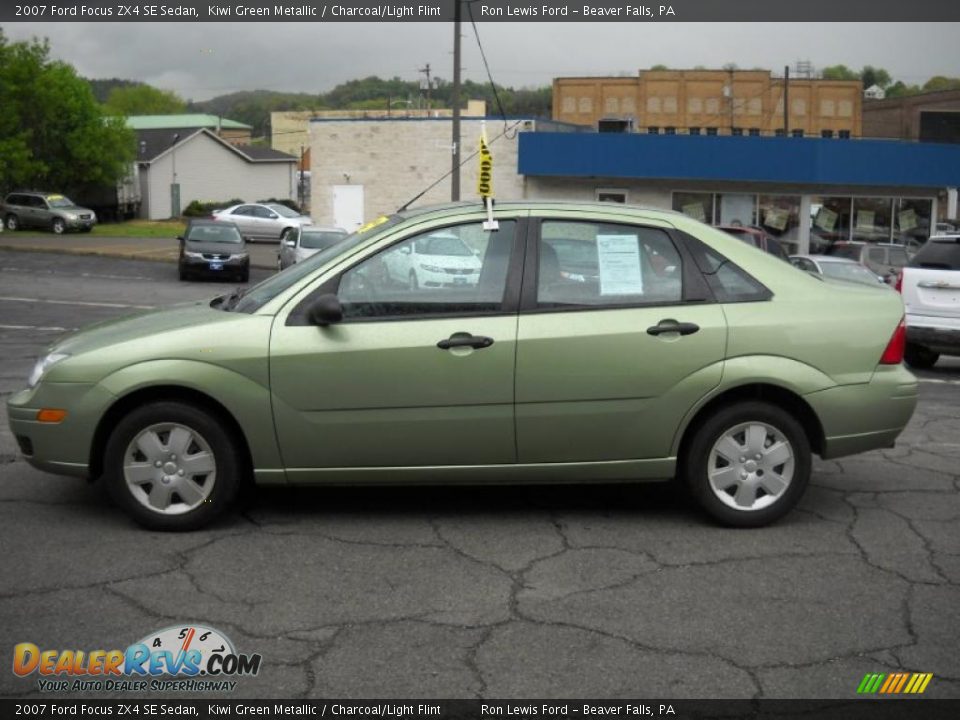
(201, 60)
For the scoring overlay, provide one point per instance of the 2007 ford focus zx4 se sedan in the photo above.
(588, 343)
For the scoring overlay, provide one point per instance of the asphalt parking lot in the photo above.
(548, 592)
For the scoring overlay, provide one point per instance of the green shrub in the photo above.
(202, 209)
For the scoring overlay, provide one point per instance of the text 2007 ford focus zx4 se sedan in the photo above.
(597, 343)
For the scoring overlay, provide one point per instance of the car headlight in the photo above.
(44, 364)
(191, 254)
(239, 256)
(70, 216)
(431, 268)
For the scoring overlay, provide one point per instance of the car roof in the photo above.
(216, 223)
(321, 228)
(595, 206)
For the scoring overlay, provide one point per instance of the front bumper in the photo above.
(80, 223)
(196, 266)
(866, 416)
(64, 447)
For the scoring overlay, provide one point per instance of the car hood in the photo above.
(457, 262)
(143, 327)
(215, 247)
(72, 209)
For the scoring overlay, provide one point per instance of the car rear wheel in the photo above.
(748, 464)
(58, 226)
(919, 357)
(12, 222)
(171, 466)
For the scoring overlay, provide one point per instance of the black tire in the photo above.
(183, 274)
(696, 465)
(226, 474)
(245, 276)
(12, 222)
(58, 226)
(919, 357)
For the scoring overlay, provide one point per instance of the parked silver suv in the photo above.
(45, 210)
(930, 285)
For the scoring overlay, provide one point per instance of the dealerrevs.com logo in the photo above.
(191, 658)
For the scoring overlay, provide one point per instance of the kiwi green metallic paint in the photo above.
(628, 391)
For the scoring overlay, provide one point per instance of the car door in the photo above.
(611, 358)
(268, 223)
(412, 376)
(242, 216)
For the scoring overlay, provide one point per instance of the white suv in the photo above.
(930, 285)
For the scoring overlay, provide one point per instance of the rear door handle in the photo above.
(672, 326)
(477, 342)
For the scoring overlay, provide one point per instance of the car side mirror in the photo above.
(290, 243)
(405, 250)
(325, 310)
(273, 216)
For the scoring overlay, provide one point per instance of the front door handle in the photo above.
(672, 326)
(477, 342)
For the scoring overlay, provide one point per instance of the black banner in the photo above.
(856, 11)
(886, 709)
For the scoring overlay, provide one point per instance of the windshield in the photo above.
(261, 294)
(56, 201)
(938, 255)
(316, 240)
(213, 234)
(442, 246)
(283, 211)
(851, 272)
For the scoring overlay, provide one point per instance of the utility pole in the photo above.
(455, 100)
(786, 101)
(426, 71)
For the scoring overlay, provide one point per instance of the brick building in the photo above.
(930, 117)
(710, 102)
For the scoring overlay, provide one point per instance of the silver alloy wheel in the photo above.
(750, 466)
(169, 468)
(58, 226)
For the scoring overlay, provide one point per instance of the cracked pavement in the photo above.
(498, 592)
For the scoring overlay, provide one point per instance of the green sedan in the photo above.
(570, 343)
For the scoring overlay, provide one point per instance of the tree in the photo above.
(939, 82)
(875, 76)
(53, 134)
(839, 72)
(143, 100)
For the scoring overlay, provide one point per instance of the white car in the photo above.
(306, 241)
(263, 221)
(837, 268)
(930, 285)
(438, 260)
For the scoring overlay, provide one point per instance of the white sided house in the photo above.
(178, 167)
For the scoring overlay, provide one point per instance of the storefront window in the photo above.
(736, 209)
(911, 222)
(871, 219)
(779, 215)
(699, 206)
(829, 221)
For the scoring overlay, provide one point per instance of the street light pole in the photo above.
(455, 100)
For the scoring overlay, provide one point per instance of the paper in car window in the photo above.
(619, 260)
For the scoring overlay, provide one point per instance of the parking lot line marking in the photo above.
(76, 302)
(47, 328)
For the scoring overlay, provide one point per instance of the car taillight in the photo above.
(898, 283)
(893, 355)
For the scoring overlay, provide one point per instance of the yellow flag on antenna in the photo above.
(485, 175)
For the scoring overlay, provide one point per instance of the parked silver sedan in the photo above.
(307, 241)
(837, 268)
(263, 221)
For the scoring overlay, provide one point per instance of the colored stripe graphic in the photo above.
(894, 683)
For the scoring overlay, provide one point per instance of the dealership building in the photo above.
(806, 191)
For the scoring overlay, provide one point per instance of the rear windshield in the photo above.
(218, 233)
(320, 240)
(938, 255)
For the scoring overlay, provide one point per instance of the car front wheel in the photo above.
(58, 226)
(172, 466)
(748, 464)
(12, 222)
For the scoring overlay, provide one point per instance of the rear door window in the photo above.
(938, 255)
